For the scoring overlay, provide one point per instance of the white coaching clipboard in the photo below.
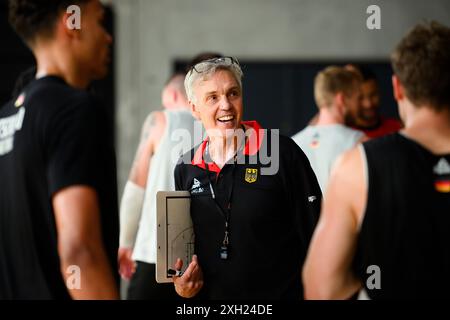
(175, 233)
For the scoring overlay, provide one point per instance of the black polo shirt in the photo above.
(271, 221)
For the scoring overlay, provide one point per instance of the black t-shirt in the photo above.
(271, 220)
(405, 231)
(53, 136)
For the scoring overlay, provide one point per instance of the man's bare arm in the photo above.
(151, 134)
(327, 270)
(80, 243)
(133, 196)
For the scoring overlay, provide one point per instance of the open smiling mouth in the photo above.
(225, 119)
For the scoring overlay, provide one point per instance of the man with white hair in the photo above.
(252, 225)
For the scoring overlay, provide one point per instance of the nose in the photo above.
(365, 103)
(225, 103)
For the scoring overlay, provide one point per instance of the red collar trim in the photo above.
(255, 138)
(252, 146)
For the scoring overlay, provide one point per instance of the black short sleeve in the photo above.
(72, 144)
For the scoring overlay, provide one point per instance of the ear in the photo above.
(67, 27)
(194, 110)
(175, 96)
(339, 99)
(399, 91)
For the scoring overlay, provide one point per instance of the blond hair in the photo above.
(332, 80)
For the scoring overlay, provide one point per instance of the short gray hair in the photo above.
(205, 69)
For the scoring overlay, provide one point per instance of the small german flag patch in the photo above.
(442, 176)
(442, 186)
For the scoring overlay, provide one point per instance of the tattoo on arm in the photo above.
(148, 130)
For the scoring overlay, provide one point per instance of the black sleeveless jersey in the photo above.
(405, 234)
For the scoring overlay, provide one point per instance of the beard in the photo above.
(362, 118)
(368, 115)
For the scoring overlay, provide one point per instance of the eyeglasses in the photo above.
(206, 65)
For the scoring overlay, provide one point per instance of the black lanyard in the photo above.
(224, 249)
(225, 213)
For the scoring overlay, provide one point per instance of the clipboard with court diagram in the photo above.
(175, 233)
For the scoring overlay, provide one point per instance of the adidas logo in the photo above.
(196, 187)
(442, 167)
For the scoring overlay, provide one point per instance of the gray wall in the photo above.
(150, 34)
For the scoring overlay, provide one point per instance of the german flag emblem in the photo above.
(315, 141)
(314, 144)
(442, 173)
(251, 175)
(442, 186)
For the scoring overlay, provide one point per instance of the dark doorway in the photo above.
(281, 95)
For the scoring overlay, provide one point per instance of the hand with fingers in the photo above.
(126, 265)
(190, 283)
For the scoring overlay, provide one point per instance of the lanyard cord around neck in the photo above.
(227, 212)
